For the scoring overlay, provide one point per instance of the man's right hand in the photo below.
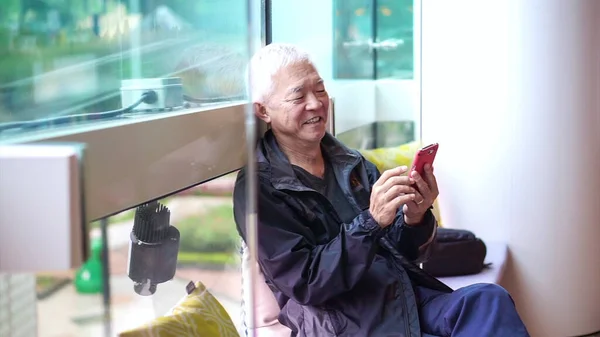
(392, 190)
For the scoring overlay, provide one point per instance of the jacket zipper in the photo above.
(404, 305)
(405, 310)
(393, 251)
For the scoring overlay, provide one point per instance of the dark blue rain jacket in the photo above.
(332, 278)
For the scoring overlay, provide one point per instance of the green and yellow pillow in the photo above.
(198, 314)
(386, 158)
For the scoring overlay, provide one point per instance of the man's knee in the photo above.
(489, 311)
(488, 292)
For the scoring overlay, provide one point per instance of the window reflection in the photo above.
(373, 39)
(63, 60)
(395, 37)
(68, 304)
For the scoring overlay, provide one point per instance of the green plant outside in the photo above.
(207, 238)
(43, 282)
(199, 193)
(210, 232)
(45, 285)
(117, 218)
(191, 258)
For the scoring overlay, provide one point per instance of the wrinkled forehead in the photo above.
(296, 77)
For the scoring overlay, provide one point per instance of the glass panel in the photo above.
(398, 89)
(356, 22)
(64, 61)
(353, 56)
(395, 47)
(208, 252)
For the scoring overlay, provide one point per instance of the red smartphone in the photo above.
(424, 156)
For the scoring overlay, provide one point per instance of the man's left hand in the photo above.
(424, 198)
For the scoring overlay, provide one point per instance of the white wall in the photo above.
(397, 100)
(511, 91)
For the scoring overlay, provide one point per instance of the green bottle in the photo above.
(88, 279)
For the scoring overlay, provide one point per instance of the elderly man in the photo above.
(338, 242)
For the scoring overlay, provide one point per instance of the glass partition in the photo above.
(394, 39)
(72, 63)
(71, 303)
(155, 91)
(373, 39)
(354, 32)
(153, 88)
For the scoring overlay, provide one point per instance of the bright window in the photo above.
(66, 63)
(72, 302)
(373, 39)
(154, 89)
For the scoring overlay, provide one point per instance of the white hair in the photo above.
(265, 64)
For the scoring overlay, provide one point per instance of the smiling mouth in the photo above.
(313, 120)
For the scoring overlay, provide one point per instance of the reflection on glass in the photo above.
(395, 47)
(353, 36)
(372, 32)
(71, 305)
(63, 61)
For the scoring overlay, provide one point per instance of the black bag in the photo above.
(456, 252)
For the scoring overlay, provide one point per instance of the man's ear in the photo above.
(261, 112)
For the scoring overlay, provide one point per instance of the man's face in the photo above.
(298, 107)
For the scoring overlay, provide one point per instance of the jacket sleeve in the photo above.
(413, 242)
(289, 256)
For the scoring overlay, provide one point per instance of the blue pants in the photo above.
(485, 310)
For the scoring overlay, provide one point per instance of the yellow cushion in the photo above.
(386, 158)
(198, 314)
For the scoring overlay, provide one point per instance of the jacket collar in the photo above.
(282, 175)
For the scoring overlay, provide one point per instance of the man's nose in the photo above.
(313, 102)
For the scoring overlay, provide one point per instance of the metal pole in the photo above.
(374, 36)
(254, 17)
(105, 278)
(268, 27)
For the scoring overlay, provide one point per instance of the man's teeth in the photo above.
(313, 120)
